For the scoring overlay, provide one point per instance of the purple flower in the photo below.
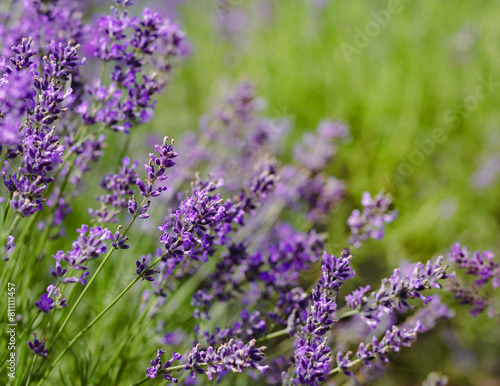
(393, 340)
(38, 346)
(250, 325)
(141, 51)
(86, 247)
(9, 247)
(234, 356)
(312, 354)
(371, 222)
(480, 264)
(428, 315)
(45, 304)
(470, 295)
(118, 188)
(155, 170)
(395, 292)
(316, 150)
(158, 367)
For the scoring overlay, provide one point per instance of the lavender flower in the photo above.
(319, 148)
(395, 337)
(312, 354)
(470, 295)
(38, 346)
(45, 304)
(52, 299)
(158, 367)
(9, 247)
(370, 223)
(234, 356)
(251, 325)
(479, 264)
(395, 292)
(276, 271)
(141, 49)
(155, 170)
(429, 315)
(119, 190)
(85, 247)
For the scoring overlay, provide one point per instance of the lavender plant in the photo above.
(216, 252)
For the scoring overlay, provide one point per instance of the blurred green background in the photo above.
(418, 73)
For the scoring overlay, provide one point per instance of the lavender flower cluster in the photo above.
(222, 238)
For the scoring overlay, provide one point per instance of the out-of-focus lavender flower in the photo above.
(141, 50)
(312, 354)
(276, 374)
(231, 20)
(87, 152)
(318, 149)
(487, 173)
(435, 379)
(322, 195)
(38, 346)
(371, 223)
(470, 295)
(395, 292)
(478, 264)
(251, 326)
(9, 247)
(119, 191)
(243, 138)
(275, 272)
(59, 20)
(429, 315)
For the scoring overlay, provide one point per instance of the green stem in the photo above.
(31, 371)
(273, 335)
(14, 224)
(125, 148)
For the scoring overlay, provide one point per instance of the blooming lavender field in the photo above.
(327, 214)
